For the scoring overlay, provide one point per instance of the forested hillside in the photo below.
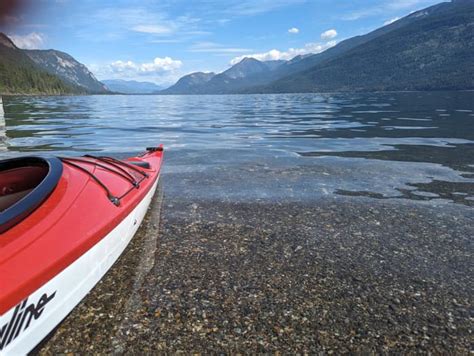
(20, 75)
(434, 52)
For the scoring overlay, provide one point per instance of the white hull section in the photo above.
(56, 299)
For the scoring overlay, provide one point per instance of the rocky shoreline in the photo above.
(341, 274)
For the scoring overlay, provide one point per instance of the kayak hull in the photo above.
(24, 325)
(67, 289)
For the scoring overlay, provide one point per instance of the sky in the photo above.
(161, 40)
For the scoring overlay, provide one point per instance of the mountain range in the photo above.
(431, 49)
(131, 86)
(43, 72)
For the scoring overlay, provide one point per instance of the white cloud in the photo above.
(403, 4)
(121, 20)
(121, 66)
(158, 66)
(162, 71)
(129, 70)
(33, 40)
(329, 34)
(212, 47)
(294, 30)
(153, 29)
(161, 64)
(252, 7)
(388, 22)
(385, 7)
(275, 54)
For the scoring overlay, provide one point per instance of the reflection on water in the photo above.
(418, 146)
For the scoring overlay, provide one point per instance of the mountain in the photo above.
(304, 62)
(431, 49)
(245, 68)
(189, 84)
(248, 72)
(275, 64)
(131, 86)
(67, 68)
(21, 75)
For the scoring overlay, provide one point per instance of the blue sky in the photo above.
(159, 41)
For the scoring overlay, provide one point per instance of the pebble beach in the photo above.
(335, 275)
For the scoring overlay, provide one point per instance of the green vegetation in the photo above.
(434, 52)
(20, 79)
(66, 68)
(431, 49)
(20, 75)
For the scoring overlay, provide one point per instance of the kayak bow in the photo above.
(63, 223)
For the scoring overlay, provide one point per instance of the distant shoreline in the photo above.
(235, 94)
(69, 94)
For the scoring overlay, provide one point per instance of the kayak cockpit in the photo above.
(24, 184)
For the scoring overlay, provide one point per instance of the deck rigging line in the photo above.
(117, 169)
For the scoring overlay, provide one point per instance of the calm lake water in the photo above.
(417, 146)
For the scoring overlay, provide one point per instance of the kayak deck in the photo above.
(74, 218)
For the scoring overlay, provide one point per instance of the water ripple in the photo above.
(408, 133)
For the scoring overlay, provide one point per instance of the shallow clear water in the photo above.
(417, 146)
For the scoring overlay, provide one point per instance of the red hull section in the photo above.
(76, 215)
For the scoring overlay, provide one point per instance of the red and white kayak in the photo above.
(63, 223)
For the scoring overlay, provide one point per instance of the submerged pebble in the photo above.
(335, 275)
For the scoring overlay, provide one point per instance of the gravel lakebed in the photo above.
(336, 274)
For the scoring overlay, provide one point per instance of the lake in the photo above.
(304, 222)
(412, 145)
